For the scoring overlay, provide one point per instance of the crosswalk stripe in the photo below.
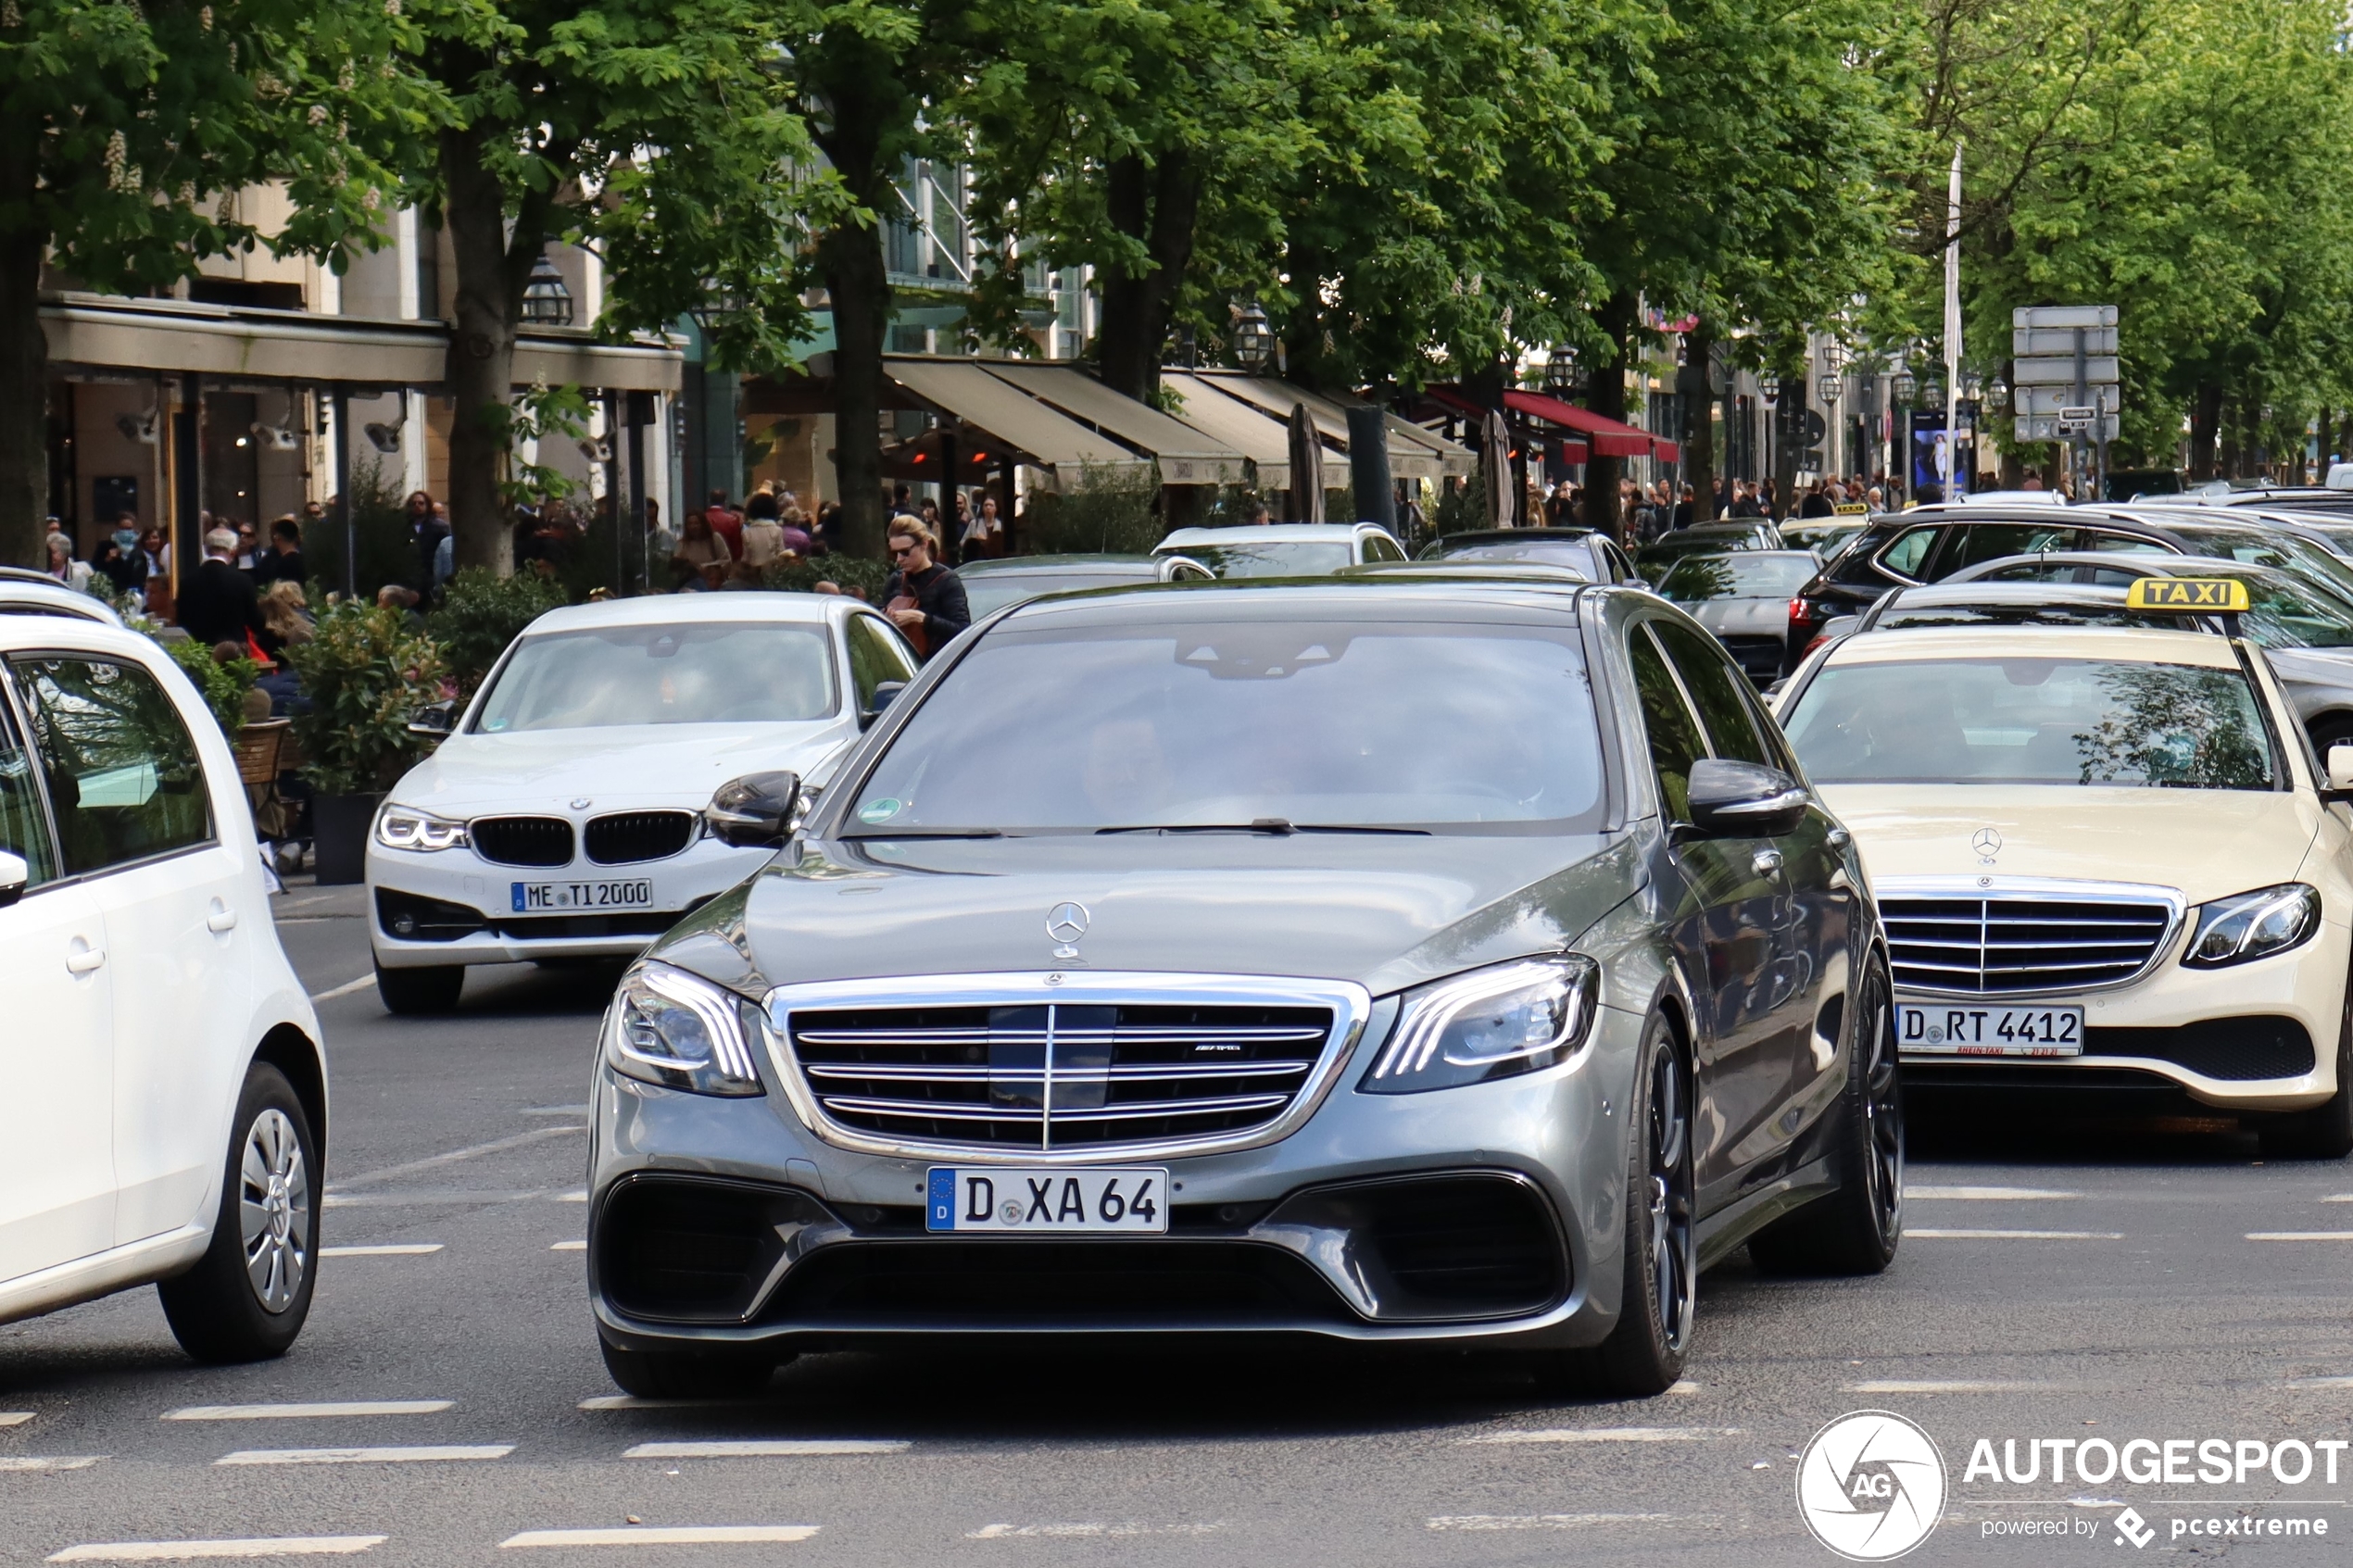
(657, 1535)
(421, 1453)
(2299, 1236)
(332, 1408)
(182, 1551)
(787, 1447)
(383, 1250)
(49, 1461)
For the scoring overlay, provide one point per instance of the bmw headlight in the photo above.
(667, 1027)
(2253, 925)
(404, 827)
(1492, 1022)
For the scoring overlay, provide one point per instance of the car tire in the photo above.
(688, 1374)
(2325, 1132)
(247, 1297)
(1643, 1355)
(1856, 1229)
(2327, 731)
(430, 990)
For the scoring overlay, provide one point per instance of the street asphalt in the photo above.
(2059, 1280)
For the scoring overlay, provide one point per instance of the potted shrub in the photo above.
(364, 673)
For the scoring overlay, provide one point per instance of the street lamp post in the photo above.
(1254, 340)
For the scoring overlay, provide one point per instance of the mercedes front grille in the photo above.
(1999, 942)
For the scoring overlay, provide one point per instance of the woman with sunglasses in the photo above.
(923, 599)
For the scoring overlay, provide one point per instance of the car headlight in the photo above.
(667, 1027)
(2253, 925)
(404, 827)
(1492, 1022)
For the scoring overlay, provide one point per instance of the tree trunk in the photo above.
(24, 384)
(1608, 399)
(849, 258)
(1158, 206)
(1699, 419)
(2205, 423)
(1789, 427)
(481, 367)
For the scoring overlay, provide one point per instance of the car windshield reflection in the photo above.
(727, 674)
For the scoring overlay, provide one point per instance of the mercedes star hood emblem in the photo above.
(1067, 923)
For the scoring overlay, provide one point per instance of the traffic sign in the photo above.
(2061, 340)
(2046, 427)
(2030, 400)
(2065, 316)
(2058, 369)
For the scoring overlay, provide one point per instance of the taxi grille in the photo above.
(627, 837)
(1057, 1075)
(2003, 944)
(521, 841)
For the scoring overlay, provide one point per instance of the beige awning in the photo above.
(1413, 453)
(1264, 440)
(103, 334)
(1188, 454)
(963, 388)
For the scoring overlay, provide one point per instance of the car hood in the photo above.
(2314, 667)
(1386, 911)
(620, 765)
(1745, 615)
(2207, 843)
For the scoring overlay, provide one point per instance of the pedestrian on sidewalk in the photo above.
(923, 599)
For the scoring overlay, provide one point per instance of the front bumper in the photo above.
(460, 908)
(1488, 1214)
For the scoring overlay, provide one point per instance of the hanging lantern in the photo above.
(1903, 386)
(546, 301)
(1254, 340)
(1827, 389)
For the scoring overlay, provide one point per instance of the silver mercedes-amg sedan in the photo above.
(1379, 959)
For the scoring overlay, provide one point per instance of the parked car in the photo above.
(1704, 539)
(1744, 598)
(24, 592)
(165, 1120)
(1826, 537)
(990, 585)
(1283, 550)
(1588, 551)
(562, 817)
(1385, 959)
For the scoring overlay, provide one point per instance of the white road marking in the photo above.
(1608, 1435)
(632, 1402)
(1556, 1521)
(567, 1246)
(49, 1461)
(182, 1551)
(2321, 1382)
(1013, 1531)
(580, 1197)
(427, 1197)
(2013, 1235)
(423, 1454)
(282, 1412)
(1943, 1386)
(1684, 1385)
(472, 1151)
(314, 898)
(657, 1534)
(2338, 1197)
(350, 987)
(1986, 1194)
(555, 1111)
(786, 1447)
(15, 1418)
(382, 1250)
(2299, 1236)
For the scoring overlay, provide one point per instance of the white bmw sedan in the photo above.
(562, 817)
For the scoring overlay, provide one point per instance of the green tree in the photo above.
(131, 128)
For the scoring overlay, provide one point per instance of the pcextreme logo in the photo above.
(1871, 1486)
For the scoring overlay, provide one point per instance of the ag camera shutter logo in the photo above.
(1871, 1486)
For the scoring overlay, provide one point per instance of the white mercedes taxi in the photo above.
(2106, 857)
(562, 817)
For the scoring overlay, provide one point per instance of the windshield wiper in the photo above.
(1277, 826)
(930, 833)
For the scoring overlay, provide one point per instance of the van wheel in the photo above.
(1854, 1230)
(688, 1374)
(247, 1298)
(421, 990)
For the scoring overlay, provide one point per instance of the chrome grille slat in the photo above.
(1998, 943)
(1060, 1075)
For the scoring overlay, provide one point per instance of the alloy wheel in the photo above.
(273, 1209)
(1673, 1259)
(1883, 1116)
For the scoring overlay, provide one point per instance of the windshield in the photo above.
(2031, 722)
(1571, 553)
(1697, 578)
(989, 591)
(1334, 724)
(1312, 558)
(706, 674)
(2299, 556)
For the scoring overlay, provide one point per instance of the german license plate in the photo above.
(1924, 1028)
(1008, 1200)
(571, 897)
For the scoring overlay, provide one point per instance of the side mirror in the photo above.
(1743, 800)
(14, 874)
(757, 811)
(2340, 769)
(884, 692)
(433, 718)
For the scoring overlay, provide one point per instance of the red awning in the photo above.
(1665, 451)
(1607, 436)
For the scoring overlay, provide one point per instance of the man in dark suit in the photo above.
(283, 561)
(217, 604)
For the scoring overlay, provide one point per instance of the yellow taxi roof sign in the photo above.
(2188, 595)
